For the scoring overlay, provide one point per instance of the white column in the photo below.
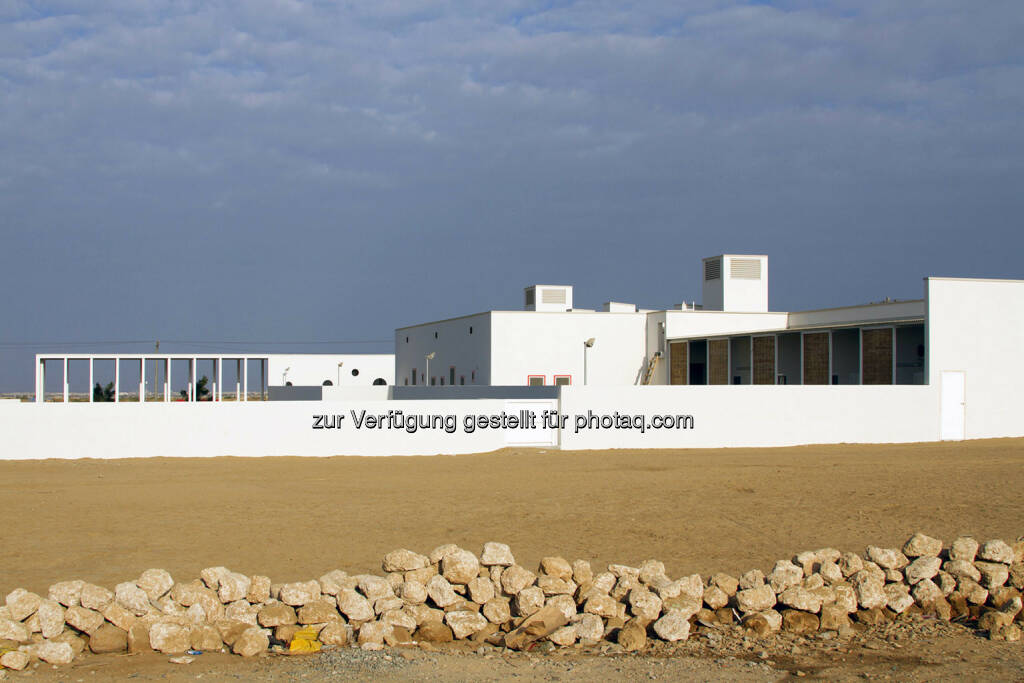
(117, 380)
(91, 379)
(245, 379)
(167, 379)
(238, 379)
(66, 379)
(40, 380)
(218, 389)
(142, 380)
(194, 380)
(263, 379)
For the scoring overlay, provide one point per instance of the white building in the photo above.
(331, 369)
(732, 338)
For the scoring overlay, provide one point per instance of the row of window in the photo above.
(435, 334)
(540, 380)
(434, 379)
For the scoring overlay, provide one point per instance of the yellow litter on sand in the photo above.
(305, 641)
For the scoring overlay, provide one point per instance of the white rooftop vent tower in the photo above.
(549, 298)
(736, 282)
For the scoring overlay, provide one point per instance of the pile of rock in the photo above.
(453, 594)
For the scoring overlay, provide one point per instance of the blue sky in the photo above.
(282, 170)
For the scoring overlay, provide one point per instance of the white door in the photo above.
(952, 406)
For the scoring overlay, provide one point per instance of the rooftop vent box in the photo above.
(548, 298)
(618, 307)
(736, 283)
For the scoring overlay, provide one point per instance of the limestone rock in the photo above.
(604, 582)
(588, 626)
(683, 604)
(515, 579)
(82, 619)
(155, 583)
(715, 597)
(582, 572)
(921, 545)
(460, 567)
(131, 597)
(334, 581)
(441, 551)
(834, 617)
(14, 630)
(755, 599)
(559, 568)
(421, 576)
(924, 567)
(14, 660)
(962, 568)
(1017, 576)
(441, 592)
(277, 614)
(465, 623)
(497, 611)
(724, 582)
(973, 591)
(799, 622)
(808, 561)
(211, 576)
(259, 589)
(898, 597)
(22, 604)
(404, 561)
(354, 606)
(564, 636)
(334, 633)
(52, 653)
(964, 548)
(552, 585)
(926, 592)
(633, 636)
(481, 590)
(752, 579)
(169, 637)
(869, 589)
(51, 618)
(1010, 633)
(107, 639)
(763, 623)
(625, 584)
(850, 564)
(415, 593)
(692, 586)
(299, 593)
(784, 575)
(230, 631)
(845, 597)
(644, 604)
(945, 582)
(887, 558)
(373, 633)
(251, 642)
(830, 573)
(374, 587)
(497, 555)
(992, 573)
(434, 632)
(620, 570)
(205, 637)
(233, 587)
(528, 601)
(318, 612)
(672, 627)
(138, 637)
(67, 593)
(240, 610)
(996, 551)
(801, 598)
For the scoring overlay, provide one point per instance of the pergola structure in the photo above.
(157, 361)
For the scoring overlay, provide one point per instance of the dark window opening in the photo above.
(451, 375)
(355, 372)
(287, 384)
(471, 329)
(328, 383)
(380, 382)
(435, 335)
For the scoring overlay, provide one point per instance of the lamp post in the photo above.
(340, 363)
(430, 356)
(586, 345)
(284, 376)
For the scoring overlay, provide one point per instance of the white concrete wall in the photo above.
(311, 369)
(454, 344)
(750, 415)
(852, 314)
(549, 344)
(977, 327)
(700, 324)
(33, 431)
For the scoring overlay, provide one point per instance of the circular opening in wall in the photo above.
(380, 382)
(328, 383)
(287, 384)
(355, 372)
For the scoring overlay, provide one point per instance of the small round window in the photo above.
(328, 383)
(380, 382)
(355, 372)
(287, 384)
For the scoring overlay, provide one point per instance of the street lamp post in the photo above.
(586, 345)
(430, 356)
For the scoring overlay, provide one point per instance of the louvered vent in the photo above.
(713, 269)
(529, 296)
(552, 296)
(745, 268)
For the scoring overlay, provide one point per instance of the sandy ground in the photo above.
(296, 518)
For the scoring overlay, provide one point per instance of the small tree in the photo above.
(201, 391)
(102, 394)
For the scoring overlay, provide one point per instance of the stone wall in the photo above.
(454, 594)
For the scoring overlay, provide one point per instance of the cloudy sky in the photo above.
(278, 170)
